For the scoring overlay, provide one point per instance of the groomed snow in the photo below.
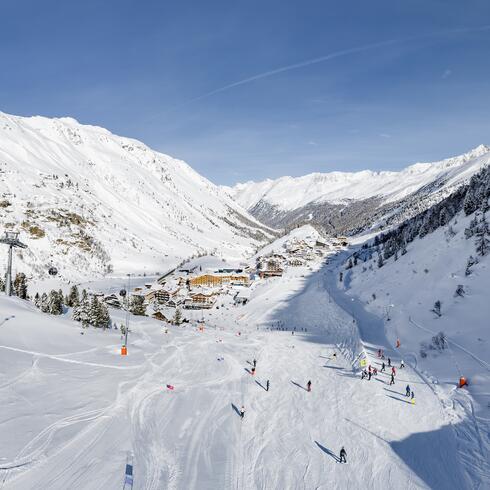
(73, 409)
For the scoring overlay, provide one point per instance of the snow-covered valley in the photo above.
(138, 238)
(74, 411)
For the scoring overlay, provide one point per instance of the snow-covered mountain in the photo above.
(349, 201)
(431, 275)
(90, 202)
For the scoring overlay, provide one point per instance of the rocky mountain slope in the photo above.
(342, 202)
(90, 202)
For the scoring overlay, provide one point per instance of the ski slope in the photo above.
(74, 411)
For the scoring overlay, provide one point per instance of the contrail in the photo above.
(313, 61)
(336, 54)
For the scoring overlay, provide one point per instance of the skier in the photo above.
(308, 386)
(389, 362)
(375, 371)
(255, 363)
(369, 369)
(343, 455)
(393, 371)
(392, 380)
(253, 371)
(402, 364)
(383, 367)
(267, 385)
(413, 397)
(292, 332)
(407, 390)
(379, 353)
(369, 376)
(334, 356)
(242, 412)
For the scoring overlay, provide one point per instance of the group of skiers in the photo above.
(373, 371)
(343, 452)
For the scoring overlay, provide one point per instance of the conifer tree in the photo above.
(81, 312)
(136, 306)
(44, 303)
(73, 297)
(178, 317)
(94, 311)
(20, 285)
(55, 303)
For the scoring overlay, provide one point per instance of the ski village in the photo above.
(161, 332)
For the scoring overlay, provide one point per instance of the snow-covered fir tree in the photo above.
(81, 312)
(20, 285)
(73, 297)
(55, 303)
(137, 306)
(44, 305)
(437, 308)
(177, 317)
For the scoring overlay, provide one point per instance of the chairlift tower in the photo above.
(11, 238)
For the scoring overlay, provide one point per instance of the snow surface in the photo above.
(88, 202)
(290, 193)
(73, 410)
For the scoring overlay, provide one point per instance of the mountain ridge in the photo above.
(323, 197)
(90, 202)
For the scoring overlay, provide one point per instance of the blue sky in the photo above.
(412, 84)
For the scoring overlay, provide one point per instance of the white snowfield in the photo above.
(290, 193)
(88, 201)
(74, 411)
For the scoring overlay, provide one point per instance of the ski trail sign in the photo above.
(128, 476)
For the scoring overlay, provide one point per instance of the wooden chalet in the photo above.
(158, 315)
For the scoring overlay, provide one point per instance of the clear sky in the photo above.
(252, 89)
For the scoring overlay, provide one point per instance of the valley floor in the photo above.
(74, 412)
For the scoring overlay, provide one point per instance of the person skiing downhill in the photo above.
(393, 371)
(255, 362)
(389, 362)
(383, 367)
(392, 380)
(407, 390)
(267, 385)
(308, 386)
(343, 455)
(242, 412)
(402, 364)
(369, 376)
